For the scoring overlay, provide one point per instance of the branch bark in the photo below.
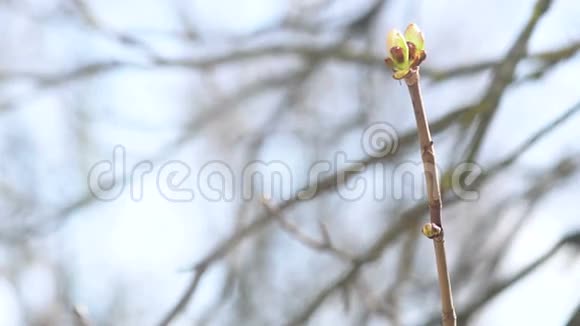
(448, 317)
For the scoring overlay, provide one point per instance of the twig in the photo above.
(448, 317)
(408, 220)
(483, 254)
(200, 269)
(547, 58)
(404, 273)
(80, 316)
(338, 52)
(503, 77)
(324, 245)
(340, 282)
(575, 317)
(537, 136)
(90, 20)
(376, 304)
(500, 286)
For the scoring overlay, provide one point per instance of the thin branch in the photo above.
(536, 137)
(404, 273)
(313, 305)
(341, 52)
(547, 58)
(493, 291)
(448, 317)
(89, 19)
(376, 305)
(575, 317)
(199, 270)
(324, 245)
(409, 219)
(80, 316)
(503, 76)
(484, 253)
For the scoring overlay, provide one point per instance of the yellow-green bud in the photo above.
(431, 230)
(405, 53)
(414, 35)
(397, 48)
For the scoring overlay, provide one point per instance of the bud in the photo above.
(431, 230)
(414, 35)
(397, 48)
(405, 53)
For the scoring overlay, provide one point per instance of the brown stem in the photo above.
(448, 317)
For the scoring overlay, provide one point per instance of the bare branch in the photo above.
(324, 245)
(466, 313)
(575, 318)
(342, 52)
(80, 314)
(503, 76)
(547, 58)
(536, 137)
(315, 303)
(198, 272)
